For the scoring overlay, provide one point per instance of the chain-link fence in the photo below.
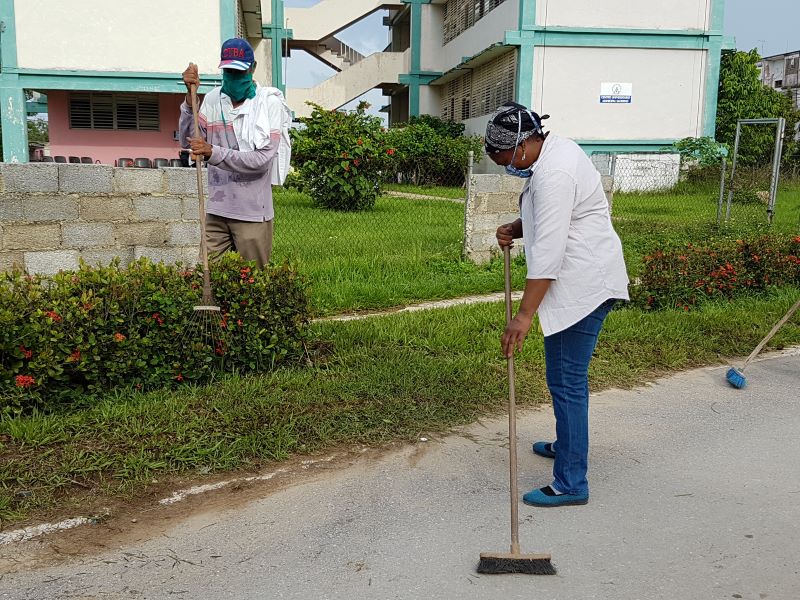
(660, 188)
(382, 255)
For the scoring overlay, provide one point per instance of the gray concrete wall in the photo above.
(51, 215)
(493, 200)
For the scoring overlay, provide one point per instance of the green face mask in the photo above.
(238, 85)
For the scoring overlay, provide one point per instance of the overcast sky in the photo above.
(771, 26)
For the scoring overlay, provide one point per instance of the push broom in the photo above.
(513, 561)
(736, 376)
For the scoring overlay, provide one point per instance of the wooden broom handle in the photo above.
(512, 415)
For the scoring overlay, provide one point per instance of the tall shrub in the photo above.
(340, 156)
(430, 151)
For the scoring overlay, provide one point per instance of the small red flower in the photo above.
(251, 280)
(390, 152)
(239, 322)
(53, 315)
(356, 162)
(118, 337)
(24, 381)
(179, 377)
(75, 356)
(88, 306)
(25, 351)
(360, 142)
(158, 319)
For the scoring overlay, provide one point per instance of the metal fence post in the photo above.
(776, 169)
(721, 190)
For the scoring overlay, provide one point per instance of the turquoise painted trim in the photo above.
(276, 32)
(8, 37)
(14, 122)
(525, 74)
(527, 15)
(111, 81)
(424, 78)
(526, 65)
(227, 20)
(36, 108)
(651, 145)
(714, 58)
(416, 77)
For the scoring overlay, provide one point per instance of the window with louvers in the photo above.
(460, 15)
(134, 112)
(481, 91)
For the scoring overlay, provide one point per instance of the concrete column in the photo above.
(14, 120)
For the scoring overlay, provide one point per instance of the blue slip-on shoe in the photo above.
(544, 449)
(539, 497)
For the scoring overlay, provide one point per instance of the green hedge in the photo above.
(684, 276)
(82, 332)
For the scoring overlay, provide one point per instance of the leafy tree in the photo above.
(443, 127)
(37, 131)
(743, 96)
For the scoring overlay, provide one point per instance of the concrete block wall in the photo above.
(493, 200)
(52, 215)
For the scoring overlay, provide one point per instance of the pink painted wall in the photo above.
(108, 146)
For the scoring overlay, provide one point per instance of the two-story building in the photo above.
(620, 75)
(782, 72)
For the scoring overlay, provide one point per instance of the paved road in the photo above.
(695, 492)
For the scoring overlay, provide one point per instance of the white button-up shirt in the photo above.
(568, 236)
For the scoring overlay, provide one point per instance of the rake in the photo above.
(206, 326)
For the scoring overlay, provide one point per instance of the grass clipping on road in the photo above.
(373, 381)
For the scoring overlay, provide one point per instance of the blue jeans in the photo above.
(567, 355)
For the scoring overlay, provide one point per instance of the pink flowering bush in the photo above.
(95, 329)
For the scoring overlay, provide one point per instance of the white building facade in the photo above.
(617, 75)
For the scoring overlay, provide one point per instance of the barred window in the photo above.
(481, 91)
(136, 112)
(460, 15)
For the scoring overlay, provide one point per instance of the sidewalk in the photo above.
(695, 487)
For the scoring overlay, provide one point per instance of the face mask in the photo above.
(514, 171)
(238, 87)
(510, 168)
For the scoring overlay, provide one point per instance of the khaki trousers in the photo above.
(253, 240)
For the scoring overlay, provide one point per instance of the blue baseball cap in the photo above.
(237, 54)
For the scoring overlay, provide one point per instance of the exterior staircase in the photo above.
(378, 70)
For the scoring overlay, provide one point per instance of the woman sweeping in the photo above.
(576, 272)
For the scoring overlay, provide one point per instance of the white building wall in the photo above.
(430, 100)
(641, 14)
(432, 37)
(668, 92)
(489, 30)
(146, 35)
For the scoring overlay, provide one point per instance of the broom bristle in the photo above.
(736, 378)
(526, 564)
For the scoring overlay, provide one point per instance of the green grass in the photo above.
(407, 251)
(401, 252)
(372, 381)
(439, 191)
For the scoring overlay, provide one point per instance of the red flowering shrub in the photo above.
(682, 277)
(99, 328)
(340, 157)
